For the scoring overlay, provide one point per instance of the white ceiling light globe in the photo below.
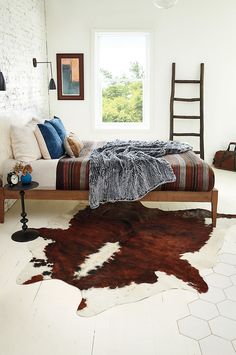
(164, 4)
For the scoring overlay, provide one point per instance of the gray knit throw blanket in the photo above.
(128, 170)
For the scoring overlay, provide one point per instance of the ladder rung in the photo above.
(187, 134)
(187, 117)
(187, 100)
(187, 81)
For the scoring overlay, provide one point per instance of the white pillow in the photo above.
(5, 141)
(24, 143)
(34, 121)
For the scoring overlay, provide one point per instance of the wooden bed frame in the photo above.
(171, 196)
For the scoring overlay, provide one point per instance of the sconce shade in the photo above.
(2, 82)
(52, 85)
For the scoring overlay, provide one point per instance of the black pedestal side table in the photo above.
(26, 234)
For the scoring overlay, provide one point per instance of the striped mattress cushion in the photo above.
(192, 173)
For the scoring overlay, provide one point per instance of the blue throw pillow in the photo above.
(57, 123)
(50, 144)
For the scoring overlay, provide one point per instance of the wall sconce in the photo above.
(2, 82)
(52, 85)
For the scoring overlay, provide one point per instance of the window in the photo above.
(122, 79)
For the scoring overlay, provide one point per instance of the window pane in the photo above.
(122, 66)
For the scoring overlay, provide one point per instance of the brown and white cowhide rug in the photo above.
(124, 252)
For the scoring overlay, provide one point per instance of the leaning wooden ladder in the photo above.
(200, 117)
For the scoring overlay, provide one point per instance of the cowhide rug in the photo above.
(124, 252)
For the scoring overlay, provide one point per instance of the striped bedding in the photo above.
(192, 173)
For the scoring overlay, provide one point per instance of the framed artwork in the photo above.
(70, 76)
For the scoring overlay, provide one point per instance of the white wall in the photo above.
(193, 31)
(22, 37)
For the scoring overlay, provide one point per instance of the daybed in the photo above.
(67, 179)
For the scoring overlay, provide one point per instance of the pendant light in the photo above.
(2, 82)
(164, 4)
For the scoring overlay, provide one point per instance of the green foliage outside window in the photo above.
(122, 97)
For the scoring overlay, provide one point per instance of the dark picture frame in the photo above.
(70, 76)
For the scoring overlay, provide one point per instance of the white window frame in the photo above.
(98, 124)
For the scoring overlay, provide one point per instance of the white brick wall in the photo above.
(22, 37)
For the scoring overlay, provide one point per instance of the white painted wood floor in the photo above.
(41, 318)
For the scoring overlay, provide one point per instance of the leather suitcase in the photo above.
(226, 159)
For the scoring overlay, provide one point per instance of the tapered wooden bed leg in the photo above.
(2, 199)
(214, 203)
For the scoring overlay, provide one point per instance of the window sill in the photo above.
(122, 126)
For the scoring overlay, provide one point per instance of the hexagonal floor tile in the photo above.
(203, 309)
(228, 258)
(233, 279)
(213, 295)
(228, 309)
(232, 236)
(229, 248)
(223, 327)
(206, 272)
(231, 294)
(193, 327)
(217, 280)
(234, 344)
(224, 269)
(214, 345)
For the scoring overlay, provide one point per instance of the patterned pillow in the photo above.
(57, 123)
(73, 145)
(50, 144)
